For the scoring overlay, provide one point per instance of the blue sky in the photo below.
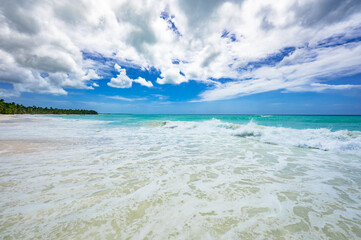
(236, 57)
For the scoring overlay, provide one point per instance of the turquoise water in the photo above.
(339, 134)
(333, 123)
(180, 177)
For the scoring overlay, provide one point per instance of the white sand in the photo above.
(6, 117)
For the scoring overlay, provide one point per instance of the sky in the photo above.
(183, 56)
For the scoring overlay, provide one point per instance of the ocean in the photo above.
(114, 176)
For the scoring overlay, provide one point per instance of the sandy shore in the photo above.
(10, 119)
(17, 118)
(7, 117)
(10, 145)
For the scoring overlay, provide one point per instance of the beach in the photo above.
(4, 117)
(180, 177)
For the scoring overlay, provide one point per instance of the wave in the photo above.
(342, 141)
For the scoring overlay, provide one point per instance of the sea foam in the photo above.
(80, 178)
(342, 141)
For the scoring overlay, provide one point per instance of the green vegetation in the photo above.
(12, 108)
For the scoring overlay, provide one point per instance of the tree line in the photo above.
(13, 108)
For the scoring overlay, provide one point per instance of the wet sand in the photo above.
(10, 144)
(6, 117)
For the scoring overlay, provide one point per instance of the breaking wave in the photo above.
(342, 141)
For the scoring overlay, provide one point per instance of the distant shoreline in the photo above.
(13, 108)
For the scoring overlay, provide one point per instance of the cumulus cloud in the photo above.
(123, 81)
(171, 75)
(91, 75)
(43, 44)
(143, 82)
(35, 55)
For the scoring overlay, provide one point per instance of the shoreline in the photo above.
(11, 119)
(6, 117)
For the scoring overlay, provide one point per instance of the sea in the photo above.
(119, 176)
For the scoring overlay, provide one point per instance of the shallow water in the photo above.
(129, 176)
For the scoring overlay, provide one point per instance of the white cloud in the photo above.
(5, 93)
(38, 37)
(91, 75)
(126, 99)
(318, 87)
(171, 75)
(122, 80)
(143, 82)
(297, 72)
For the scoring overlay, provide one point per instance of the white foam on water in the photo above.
(180, 180)
(342, 141)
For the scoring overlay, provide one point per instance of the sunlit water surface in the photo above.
(135, 177)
